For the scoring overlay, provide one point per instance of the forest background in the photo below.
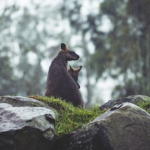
(112, 38)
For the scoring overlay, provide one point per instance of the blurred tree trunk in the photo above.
(86, 55)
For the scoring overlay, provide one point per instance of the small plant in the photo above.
(145, 106)
(70, 118)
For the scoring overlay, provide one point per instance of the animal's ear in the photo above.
(79, 68)
(71, 69)
(63, 46)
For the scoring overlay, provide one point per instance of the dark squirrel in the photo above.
(60, 84)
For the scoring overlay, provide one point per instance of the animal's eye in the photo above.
(73, 53)
(70, 52)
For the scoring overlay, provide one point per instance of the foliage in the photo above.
(23, 47)
(6, 76)
(120, 52)
(125, 49)
(71, 118)
(6, 68)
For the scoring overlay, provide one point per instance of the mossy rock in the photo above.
(124, 127)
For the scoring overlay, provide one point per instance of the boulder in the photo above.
(135, 99)
(18, 101)
(25, 127)
(123, 127)
(28, 124)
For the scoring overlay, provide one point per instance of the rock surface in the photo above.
(18, 101)
(124, 127)
(135, 99)
(28, 124)
(25, 127)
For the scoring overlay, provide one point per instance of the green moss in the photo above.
(145, 106)
(71, 118)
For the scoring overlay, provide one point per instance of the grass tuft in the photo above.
(145, 106)
(70, 118)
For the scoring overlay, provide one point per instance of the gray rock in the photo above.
(25, 127)
(135, 99)
(18, 101)
(124, 127)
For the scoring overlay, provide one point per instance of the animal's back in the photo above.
(54, 78)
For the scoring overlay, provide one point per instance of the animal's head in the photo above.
(67, 53)
(74, 72)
